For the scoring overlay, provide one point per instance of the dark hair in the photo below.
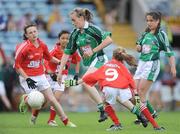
(84, 12)
(155, 16)
(121, 55)
(25, 29)
(63, 32)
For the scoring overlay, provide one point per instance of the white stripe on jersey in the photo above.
(20, 48)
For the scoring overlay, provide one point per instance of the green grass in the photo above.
(16, 123)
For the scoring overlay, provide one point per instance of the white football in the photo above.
(35, 99)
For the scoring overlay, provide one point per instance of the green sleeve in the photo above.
(100, 33)
(165, 45)
(139, 41)
(105, 34)
(71, 46)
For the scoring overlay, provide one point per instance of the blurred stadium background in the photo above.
(124, 18)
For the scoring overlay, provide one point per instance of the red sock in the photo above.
(65, 121)
(35, 112)
(52, 114)
(111, 113)
(148, 116)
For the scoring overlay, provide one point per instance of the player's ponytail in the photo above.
(87, 15)
(121, 55)
(83, 12)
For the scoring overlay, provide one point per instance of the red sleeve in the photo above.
(90, 79)
(46, 53)
(18, 58)
(75, 58)
(47, 68)
(53, 52)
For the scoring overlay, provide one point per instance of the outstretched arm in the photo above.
(103, 44)
(64, 60)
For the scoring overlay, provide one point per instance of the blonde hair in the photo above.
(121, 55)
(84, 12)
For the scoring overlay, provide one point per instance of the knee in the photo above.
(58, 99)
(51, 99)
(142, 91)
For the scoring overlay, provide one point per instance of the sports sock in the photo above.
(35, 112)
(52, 113)
(111, 113)
(100, 106)
(150, 107)
(136, 111)
(148, 116)
(65, 121)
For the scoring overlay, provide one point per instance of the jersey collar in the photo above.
(86, 25)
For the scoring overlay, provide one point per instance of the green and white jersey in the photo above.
(152, 45)
(90, 38)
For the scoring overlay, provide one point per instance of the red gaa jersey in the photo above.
(58, 52)
(112, 74)
(30, 58)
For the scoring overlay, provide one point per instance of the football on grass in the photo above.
(35, 99)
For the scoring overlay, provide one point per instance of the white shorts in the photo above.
(148, 70)
(2, 89)
(42, 83)
(99, 61)
(55, 85)
(111, 94)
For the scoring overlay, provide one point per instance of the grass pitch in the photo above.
(16, 123)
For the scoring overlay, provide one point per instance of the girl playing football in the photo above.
(117, 83)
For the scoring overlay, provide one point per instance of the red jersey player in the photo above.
(52, 69)
(29, 64)
(116, 83)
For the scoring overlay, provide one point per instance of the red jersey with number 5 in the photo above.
(30, 58)
(112, 74)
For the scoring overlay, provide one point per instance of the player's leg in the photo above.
(150, 72)
(58, 90)
(144, 110)
(143, 87)
(51, 120)
(23, 106)
(109, 95)
(34, 115)
(135, 110)
(93, 93)
(51, 98)
(57, 93)
(124, 95)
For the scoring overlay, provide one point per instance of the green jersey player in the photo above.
(150, 44)
(90, 41)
